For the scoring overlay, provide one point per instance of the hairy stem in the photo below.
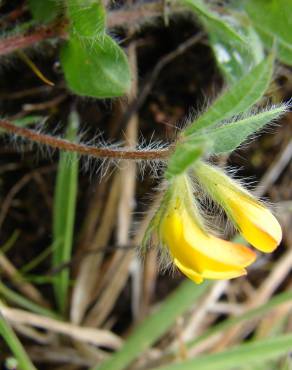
(82, 149)
(122, 17)
(17, 42)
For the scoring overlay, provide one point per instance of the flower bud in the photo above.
(254, 221)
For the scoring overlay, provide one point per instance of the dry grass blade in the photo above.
(150, 272)
(27, 289)
(119, 267)
(127, 200)
(61, 355)
(97, 337)
(280, 271)
(35, 335)
(104, 304)
(275, 170)
(86, 279)
(273, 321)
(198, 316)
(117, 273)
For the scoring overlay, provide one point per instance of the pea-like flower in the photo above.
(198, 254)
(253, 220)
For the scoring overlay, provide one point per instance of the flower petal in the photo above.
(217, 249)
(208, 274)
(256, 223)
(199, 255)
(191, 274)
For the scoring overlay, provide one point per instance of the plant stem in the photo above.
(122, 17)
(82, 149)
(17, 42)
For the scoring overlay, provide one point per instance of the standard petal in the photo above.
(256, 223)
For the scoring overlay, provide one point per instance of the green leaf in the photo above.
(213, 19)
(98, 69)
(44, 10)
(229, 136)
(273, 20)
(235, 59)
(238, 357)
(14, 344)
(64, 213)
(87, 17)
(185, 154)
(239, 98)
(155, 325)
(228, 38)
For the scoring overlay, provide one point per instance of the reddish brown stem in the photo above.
(115, 18)
(17, 42)
(13, 15)
(82, 149)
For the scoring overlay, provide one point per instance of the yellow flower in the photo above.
(254, 221)
(197, 254)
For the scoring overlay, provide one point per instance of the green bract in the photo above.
(185, 154)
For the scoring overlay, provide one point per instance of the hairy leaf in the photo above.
(213, 19)
(229, 136)
(235, 59)
(228, 38)
(273, 20)
(87, 17)
(98, 69)
(239, 98)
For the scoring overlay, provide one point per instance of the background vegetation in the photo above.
(81, 75)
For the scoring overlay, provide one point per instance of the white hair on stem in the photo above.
(89, 162)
